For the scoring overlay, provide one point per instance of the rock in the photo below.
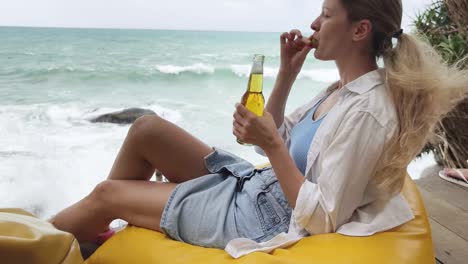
(126, 116)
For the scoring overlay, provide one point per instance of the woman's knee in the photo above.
(145, 125)
(102, 196)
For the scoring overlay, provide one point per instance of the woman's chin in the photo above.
(317, 55)
(320, 56)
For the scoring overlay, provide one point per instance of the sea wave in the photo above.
(197, 68)
(243, 71)
(319, 75)
(149, 73)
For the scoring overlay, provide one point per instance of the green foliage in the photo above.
(437, 27)
(450, 39)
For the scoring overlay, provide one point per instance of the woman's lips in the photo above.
(310, 41)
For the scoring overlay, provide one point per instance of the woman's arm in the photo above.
(293, 54)
(262, 132)
(277, 102)
(347, 165)
(289, 176)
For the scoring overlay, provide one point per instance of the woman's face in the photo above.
(333, 31)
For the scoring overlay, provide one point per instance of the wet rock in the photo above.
(126, 116)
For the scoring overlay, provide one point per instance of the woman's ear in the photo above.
(362, 30)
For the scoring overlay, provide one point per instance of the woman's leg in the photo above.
(154, 143)
(151, 143)
(140, 203)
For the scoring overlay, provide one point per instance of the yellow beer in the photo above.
(253, 98)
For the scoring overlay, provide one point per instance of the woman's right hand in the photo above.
(294, 51)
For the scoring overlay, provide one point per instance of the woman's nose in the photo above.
(315, 26)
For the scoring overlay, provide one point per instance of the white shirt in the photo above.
(338, 195)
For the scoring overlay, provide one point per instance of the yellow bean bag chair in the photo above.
(409, 243)
(25, 239)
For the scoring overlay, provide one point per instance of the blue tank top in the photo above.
(301, 137)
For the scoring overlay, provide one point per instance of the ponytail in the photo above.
(424, 89)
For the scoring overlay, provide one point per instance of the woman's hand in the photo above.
(294, 51)
(256, 130)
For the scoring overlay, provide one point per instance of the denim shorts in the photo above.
(235, 200)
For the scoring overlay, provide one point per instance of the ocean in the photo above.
(53, 81)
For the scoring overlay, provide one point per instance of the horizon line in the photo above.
(131, 28)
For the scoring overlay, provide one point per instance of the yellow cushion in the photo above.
(27, 239)
(409, 243)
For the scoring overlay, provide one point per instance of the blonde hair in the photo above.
(423, 87)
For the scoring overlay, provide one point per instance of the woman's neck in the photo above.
(354, 66)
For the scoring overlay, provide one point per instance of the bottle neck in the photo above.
(257, 66)
(256, 75)
(255, 83)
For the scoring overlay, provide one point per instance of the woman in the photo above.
(338, 163)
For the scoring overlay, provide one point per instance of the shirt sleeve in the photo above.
(345, 168)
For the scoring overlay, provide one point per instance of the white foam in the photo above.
(206, 56)
(198, 68)
(243, 70)
(319, 75)
(51, 156)
(166, 113)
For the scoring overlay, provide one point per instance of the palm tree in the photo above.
(445, 25)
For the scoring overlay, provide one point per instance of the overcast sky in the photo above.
(228, 15)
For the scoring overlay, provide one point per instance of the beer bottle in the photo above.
(253, 98)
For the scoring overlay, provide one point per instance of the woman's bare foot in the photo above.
(457, 176)
(454, 174)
